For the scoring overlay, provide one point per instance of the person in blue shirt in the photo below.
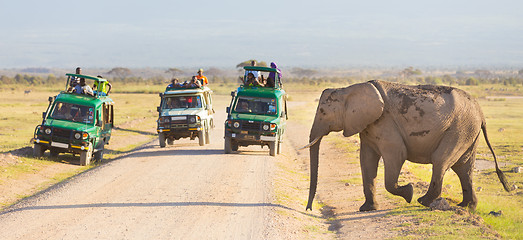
(174, 83)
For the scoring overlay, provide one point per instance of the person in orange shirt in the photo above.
(203, 79)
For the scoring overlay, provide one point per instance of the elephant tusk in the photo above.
(311, 143)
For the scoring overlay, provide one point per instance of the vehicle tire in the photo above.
(279, 148)
(38, 150)
(227, 146)
(201, 137)
(53, 152)
(273, 148)
(99, 155)
(85, 156)
(161, 138)
(207, 137)
(170, 141)
(234, 146)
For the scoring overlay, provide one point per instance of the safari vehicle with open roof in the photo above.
(76, 123)
(257, 115)
(185, 113)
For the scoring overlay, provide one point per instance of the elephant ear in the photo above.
(363, 106)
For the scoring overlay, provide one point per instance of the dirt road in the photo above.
(183, 191)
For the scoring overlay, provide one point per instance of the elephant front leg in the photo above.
(392, 171)
(369, 168)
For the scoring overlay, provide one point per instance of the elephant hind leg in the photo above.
(464, 169)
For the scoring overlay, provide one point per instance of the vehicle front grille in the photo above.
(61, 135)
(251, 125)
(179, 121)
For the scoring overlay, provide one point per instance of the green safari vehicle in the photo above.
(257, 115)
(76, 123)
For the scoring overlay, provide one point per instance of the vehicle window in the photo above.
(260, 106)
(182, 102)
(73, 112)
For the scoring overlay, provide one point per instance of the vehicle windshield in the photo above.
(182, 102)
(253, 105)
(73, 112)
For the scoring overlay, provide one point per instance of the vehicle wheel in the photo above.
(85, 156)
(272, 148)
(201, 137)
(161, 137)
(38, 150)
(207, 137)
(279, 148)
(53, 152)
(234, 146)
(227, 146)
(99, 155)
(170, 141)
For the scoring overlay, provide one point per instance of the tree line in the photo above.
(292, 75)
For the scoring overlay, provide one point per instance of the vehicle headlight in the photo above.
(77, 135)
(47, 130)
(265, 127)
(236, 124)
(192, 119)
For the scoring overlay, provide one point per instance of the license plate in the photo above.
(244, 132)
(59, 145)
(249, 137)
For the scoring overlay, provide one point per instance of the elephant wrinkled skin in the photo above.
(426, 124)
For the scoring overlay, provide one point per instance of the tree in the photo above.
(120, 72)
(174, 71)
(407, 72)
(472, 81)
(248, 63)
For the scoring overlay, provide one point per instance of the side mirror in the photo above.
(50, 99)
(161, 94)
(233, 93)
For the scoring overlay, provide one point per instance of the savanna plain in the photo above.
(499, 214)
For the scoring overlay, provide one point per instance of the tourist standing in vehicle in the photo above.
(105, 87)
(253, 81)
(195, 83)
(83, 88)
(174, 83)
(255, 73)
(203, 79)
(74, 80)
(272, 76)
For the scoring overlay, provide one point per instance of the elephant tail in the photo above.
(500, 174)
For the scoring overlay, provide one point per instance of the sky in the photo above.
(210, 33)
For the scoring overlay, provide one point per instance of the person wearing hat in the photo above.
(203, 79)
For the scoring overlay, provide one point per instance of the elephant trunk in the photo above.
(314, 155)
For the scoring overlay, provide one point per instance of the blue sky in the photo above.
(158, 33)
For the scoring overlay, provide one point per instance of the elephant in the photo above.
(424, 124)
